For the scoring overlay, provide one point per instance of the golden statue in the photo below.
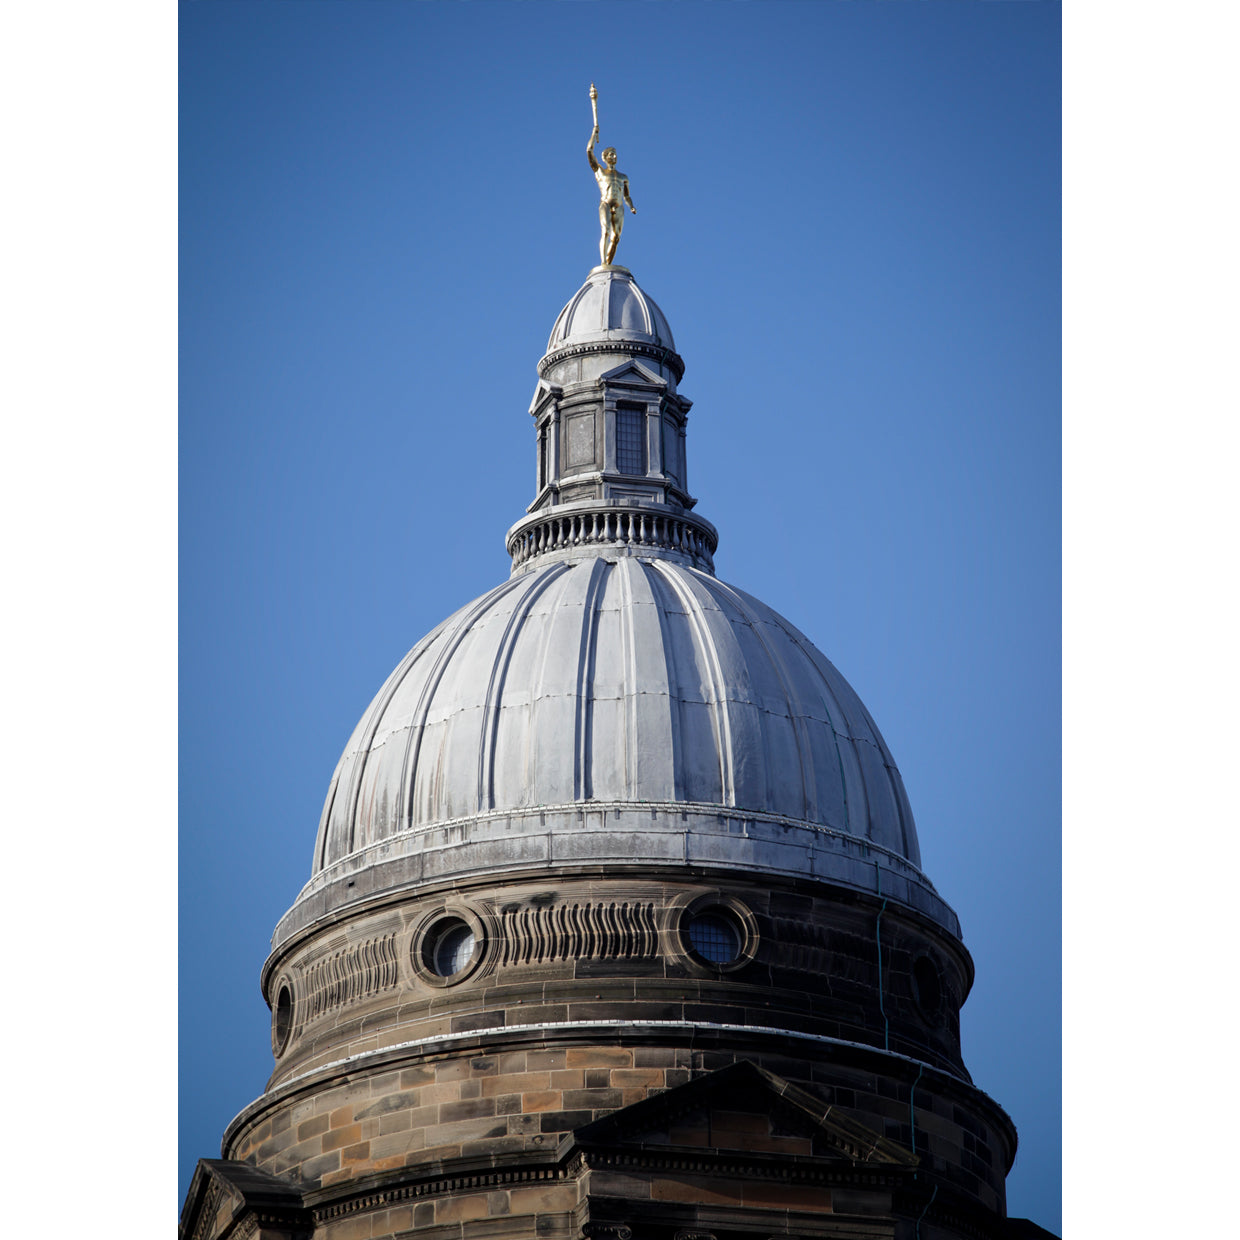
(614, 190)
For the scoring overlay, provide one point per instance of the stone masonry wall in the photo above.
(478, 1107)
(598, 948)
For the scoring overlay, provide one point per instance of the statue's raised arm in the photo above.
(613, 192)
(594, 132)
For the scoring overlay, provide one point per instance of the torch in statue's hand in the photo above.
(594, 105)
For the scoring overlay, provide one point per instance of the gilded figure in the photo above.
(613, 190)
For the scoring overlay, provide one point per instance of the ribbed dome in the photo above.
(613, 705)
(691, 721)
(610, 306)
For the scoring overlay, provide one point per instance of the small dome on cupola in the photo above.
(610, 306)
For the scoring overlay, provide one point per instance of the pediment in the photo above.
(633, 371)
(223, 1193)
(544, 394)
(743, 1108)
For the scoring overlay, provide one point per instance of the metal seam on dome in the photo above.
(583, 714)
(676, 701)
(538, 583)
(805, 749)
(679, 783)
(628, 661)
(377, 710)
(405, 806)
(898, 794)
(647, 315)
(700, 629)
(609, 287)
(319, 858)
(537, 694)
(816, 659)
(904, 809)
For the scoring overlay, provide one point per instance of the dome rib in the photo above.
(407, 805)
(667, 667)
(583, 782)
(513, 632)
(369, 728)
(541, 698)
(907, 844)
(797, 717)
(709, 663)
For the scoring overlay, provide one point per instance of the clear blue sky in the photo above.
(850, 215)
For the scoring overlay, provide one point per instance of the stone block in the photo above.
(593, 1099)
(508, 1104)
(696, 1190)
(513, 1083)
(598, 1056)
(315, 1168)
(460, 1208)
(541, 1100)
(467, 1130)
(630, 1078)
(656, 1057)
(545, 1060)
(546, 1198)
(477, 1020)
(338, 1138)
(396, 1122)
(352, 1227)
(564, 1121)
(472, 1108)
(386, 1106)
(787, 1196)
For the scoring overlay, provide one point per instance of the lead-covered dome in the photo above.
(610, 306)
(614, 680)
(617, 711)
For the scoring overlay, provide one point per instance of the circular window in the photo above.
(927, 989)
(282, 1019)
(714, 936)
(449, 947)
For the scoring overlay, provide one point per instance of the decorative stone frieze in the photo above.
(346, 976)
(616, 930)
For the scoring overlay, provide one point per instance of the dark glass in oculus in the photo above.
(451, 948)
(714, 937)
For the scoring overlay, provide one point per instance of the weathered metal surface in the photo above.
(620, 684)
(610, 306)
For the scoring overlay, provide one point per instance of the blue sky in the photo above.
(850, 215)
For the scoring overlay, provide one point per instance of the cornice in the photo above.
(635, 348)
